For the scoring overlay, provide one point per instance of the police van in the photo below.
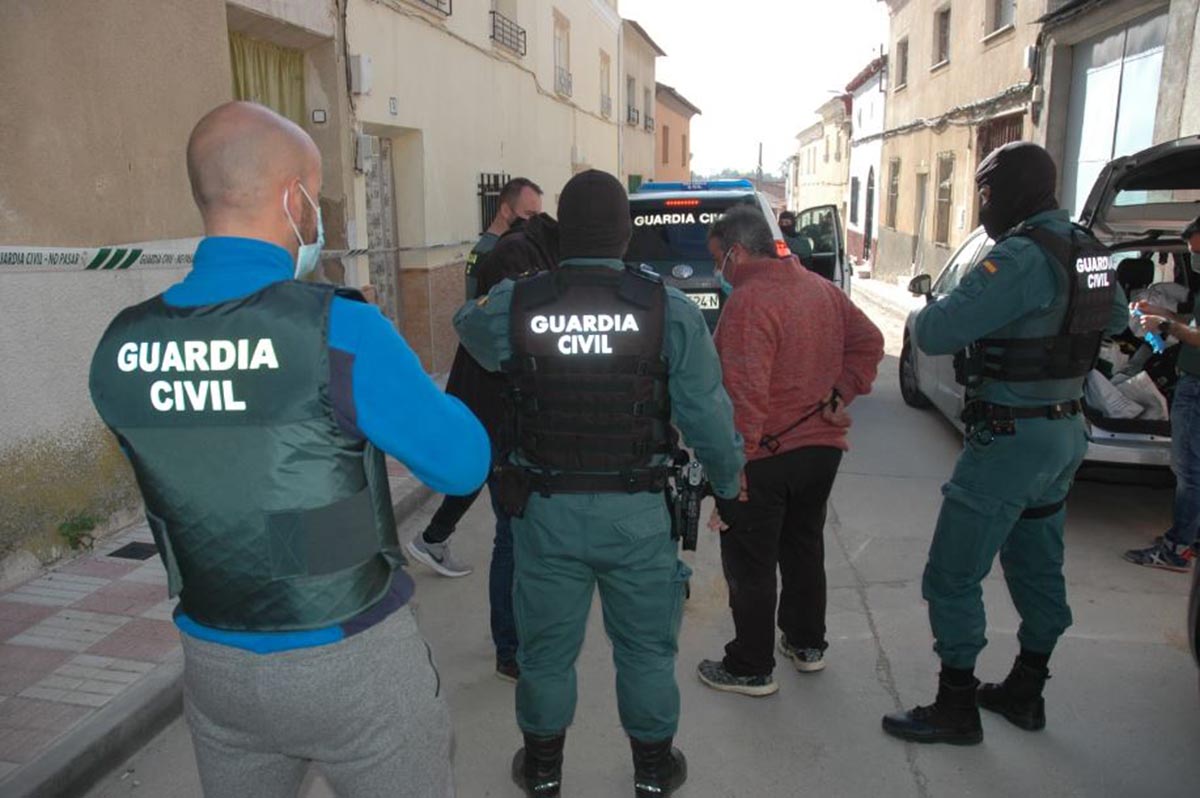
(670, 233)
(1137, 208)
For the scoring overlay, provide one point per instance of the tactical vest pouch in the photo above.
(513, 490)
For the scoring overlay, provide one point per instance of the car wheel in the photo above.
(909, 388)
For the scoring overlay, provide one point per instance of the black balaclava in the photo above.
(593, 217)
(1022, 178)
(787, 223)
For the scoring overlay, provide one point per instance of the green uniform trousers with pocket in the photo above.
(566, 546)
(996, 480)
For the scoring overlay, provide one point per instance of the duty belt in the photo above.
(651, 480)
(1002, 418)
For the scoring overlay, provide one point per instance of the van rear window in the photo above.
(676, 230)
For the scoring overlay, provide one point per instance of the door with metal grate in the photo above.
(382, 238)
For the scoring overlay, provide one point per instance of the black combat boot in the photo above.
(1019, 696)
(658, 769)
(952, 718)
(537, 768)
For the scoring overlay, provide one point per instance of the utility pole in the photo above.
(758, 186)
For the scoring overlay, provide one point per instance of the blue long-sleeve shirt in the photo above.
(384, 395)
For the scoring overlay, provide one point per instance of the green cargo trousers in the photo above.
(566, 546)
(995, 481)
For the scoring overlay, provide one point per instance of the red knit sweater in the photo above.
(787, 337)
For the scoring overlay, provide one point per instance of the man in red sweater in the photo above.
(794, 352)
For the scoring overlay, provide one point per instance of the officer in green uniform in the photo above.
(520, 198)
(603, 360)
(1032, 313)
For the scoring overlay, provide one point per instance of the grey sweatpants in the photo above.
(367, 712)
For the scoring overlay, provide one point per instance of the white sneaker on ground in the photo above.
(437, 556)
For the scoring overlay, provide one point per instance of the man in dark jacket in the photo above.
(528, 247)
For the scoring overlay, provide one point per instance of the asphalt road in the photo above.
(1123, 707)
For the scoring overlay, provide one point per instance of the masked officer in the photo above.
(603, 359)
(801, 246)
(1032, 313)
(254, 408)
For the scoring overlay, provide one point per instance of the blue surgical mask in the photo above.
(309, 255)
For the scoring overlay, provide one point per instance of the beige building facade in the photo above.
(420, 108)
(637, 137)
(673, 145)
(450, 104)
(959, 85)
(820, 170)
(100, 98)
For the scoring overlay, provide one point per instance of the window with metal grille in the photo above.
(666, 137)
(562, 55)
(632, 115)
(490, 184)
(941, 40)
(605, 85)
(508, 34)
(648, 108)
(901, 64)
(945, 197)
(443, 7)
(854, 185)
(1001, 14)
(893, 195)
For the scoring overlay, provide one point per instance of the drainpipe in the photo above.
(617, 111)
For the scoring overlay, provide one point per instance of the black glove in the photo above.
(732, 512)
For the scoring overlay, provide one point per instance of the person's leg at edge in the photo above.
(802, 599)
(500, 593)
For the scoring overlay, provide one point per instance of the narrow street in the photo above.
(1123, 707)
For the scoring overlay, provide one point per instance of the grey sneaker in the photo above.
(806, 660)
(713, 674)
(437, 556)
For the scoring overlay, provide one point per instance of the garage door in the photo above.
(1114, 99)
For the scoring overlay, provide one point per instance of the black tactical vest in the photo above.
(1092, 283)
(268, 517)
(589, 378)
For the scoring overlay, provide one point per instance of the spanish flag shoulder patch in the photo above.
(990, 266)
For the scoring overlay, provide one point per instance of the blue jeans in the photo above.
(1185, 459)
(500, 583)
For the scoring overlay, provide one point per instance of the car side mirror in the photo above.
(921, 285)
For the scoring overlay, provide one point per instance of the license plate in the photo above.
(707, 301)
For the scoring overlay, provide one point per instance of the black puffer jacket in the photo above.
(528, 248)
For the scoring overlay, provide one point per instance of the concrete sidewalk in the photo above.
(889, 296)
(90, 661)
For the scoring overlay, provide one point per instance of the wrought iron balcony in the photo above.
(649, 123)
(606, 105)
(633, 116)
(443, 7)
(508, 34)
(562, 81)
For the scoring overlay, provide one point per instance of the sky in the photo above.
(758, 69)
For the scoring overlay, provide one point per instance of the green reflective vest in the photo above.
(267, 515)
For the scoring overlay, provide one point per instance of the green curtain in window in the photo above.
(268, 74)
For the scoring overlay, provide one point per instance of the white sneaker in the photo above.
(437, 556)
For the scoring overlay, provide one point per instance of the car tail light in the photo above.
(781, 248)
(682, 203)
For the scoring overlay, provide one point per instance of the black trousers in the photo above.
(783, 527)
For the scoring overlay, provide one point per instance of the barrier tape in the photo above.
(173, 254)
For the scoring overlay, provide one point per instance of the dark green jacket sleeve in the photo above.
(1119, 319)
(1011, 282)
(483, 327)
(700, 407)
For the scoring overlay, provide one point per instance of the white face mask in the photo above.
(724, 262)
(308, 255)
